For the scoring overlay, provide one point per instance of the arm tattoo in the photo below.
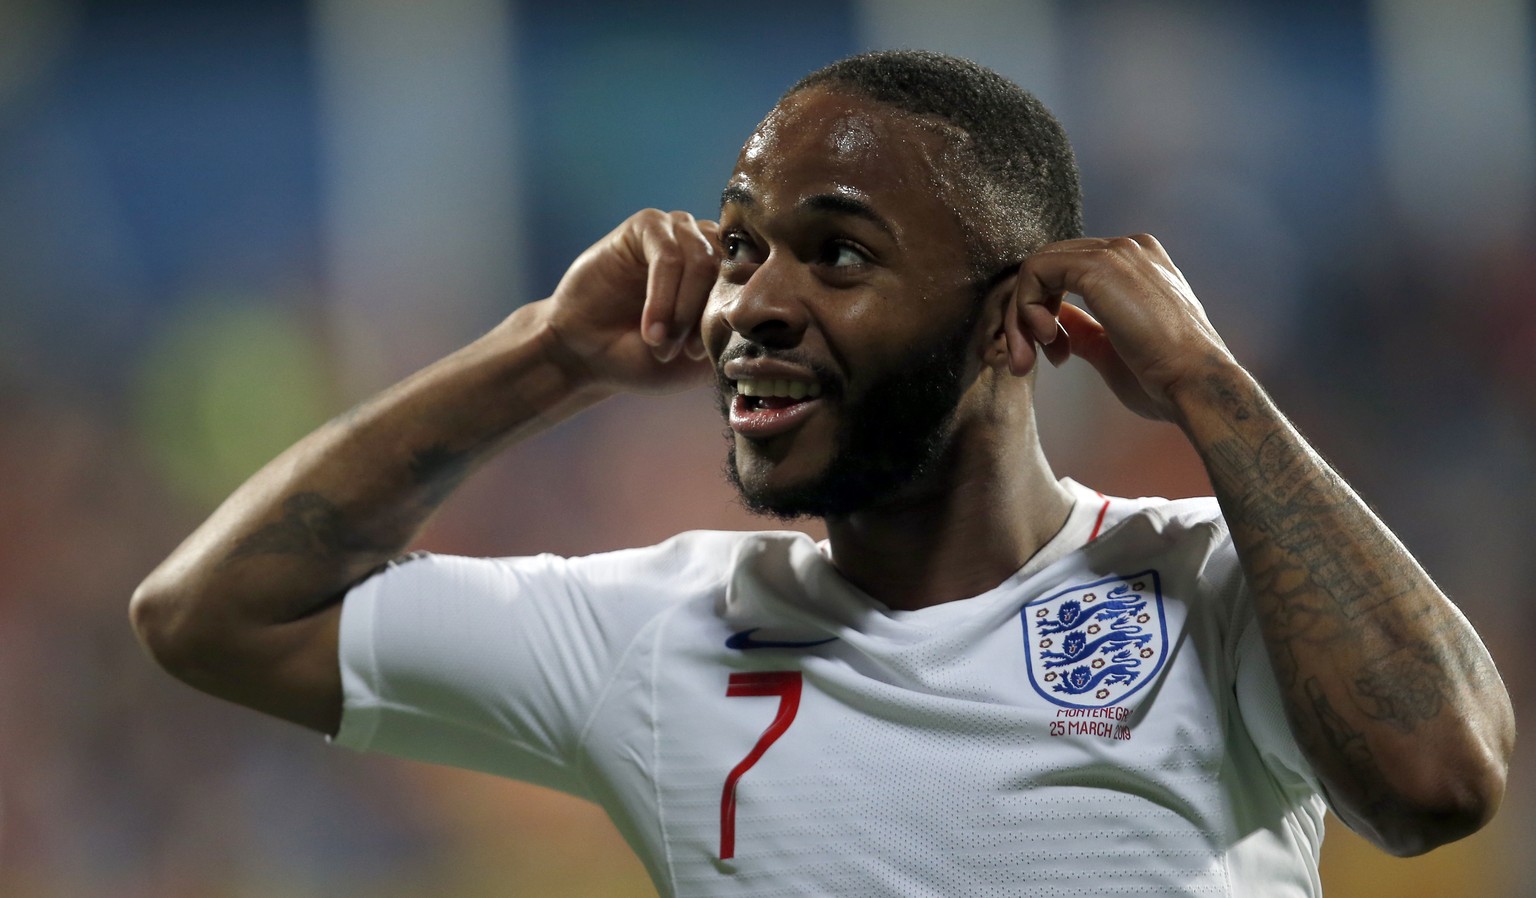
(1342, 737)
(1349, 744)
(311, 525)
(313, 528)
(439, 470)
(1401, 690)
(1326, 574)
(336, 545)
(1286, 500)
(1381, 678)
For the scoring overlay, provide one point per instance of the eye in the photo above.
(843, 254)
(737, 247)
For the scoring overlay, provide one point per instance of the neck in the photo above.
(964, 531)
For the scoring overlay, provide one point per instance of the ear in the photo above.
(1008, 342)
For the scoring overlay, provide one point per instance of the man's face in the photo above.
(843, 322)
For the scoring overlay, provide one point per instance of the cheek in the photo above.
(857, 321)
(870, 330)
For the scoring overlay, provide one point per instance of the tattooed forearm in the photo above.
(248, 606)
(1388, 690)
(1320, 566)
(1275, 486)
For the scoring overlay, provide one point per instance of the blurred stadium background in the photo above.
(221, 223)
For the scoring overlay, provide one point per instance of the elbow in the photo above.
(1425, 828)
(1451, 802)
(156, 618)
(168, 625)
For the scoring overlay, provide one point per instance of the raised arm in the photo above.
(247, 608)
(1388, 689)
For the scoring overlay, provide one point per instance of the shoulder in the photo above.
(1199, 516)
(1190, 533)
(599, 602)
(689, 561)
(686, 565)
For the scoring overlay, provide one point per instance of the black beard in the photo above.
(895, 435)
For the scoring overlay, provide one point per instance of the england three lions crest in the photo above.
(1091, 646)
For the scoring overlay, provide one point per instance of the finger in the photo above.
(1060, 349)
(1049, 274)
(1091, 343)
(1018, 341)
(1029, 324)
(701, 266)
(1036, 305)
(1073, 244)
(664, 271)
(1080, 326)
(1039, 317)
(711, 231)
(1058, 269)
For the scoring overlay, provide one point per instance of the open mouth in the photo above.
(764, 407)
(761, 393)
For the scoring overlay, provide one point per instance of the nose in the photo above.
(769, 306)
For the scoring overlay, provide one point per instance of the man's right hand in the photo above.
(626, 314)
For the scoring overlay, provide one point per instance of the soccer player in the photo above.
(987, 681)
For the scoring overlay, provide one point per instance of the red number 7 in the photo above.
(786, 685)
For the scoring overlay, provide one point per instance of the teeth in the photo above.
(790, 389)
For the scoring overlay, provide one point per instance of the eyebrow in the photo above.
(828, 203)
(837, 204)
(741, 196)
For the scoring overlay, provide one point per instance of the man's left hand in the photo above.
(1143, 329)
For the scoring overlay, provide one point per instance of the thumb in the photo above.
(1091, 343)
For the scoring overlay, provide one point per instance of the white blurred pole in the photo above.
(1016, 38)
(422, 236)
(1458, 123)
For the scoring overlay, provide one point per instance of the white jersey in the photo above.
(1104, 722)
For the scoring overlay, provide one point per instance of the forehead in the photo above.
(822, 142)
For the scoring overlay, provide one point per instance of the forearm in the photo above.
(248, 608)
(1389, 690)
(355, 492)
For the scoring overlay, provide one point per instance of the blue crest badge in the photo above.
(1090, 646)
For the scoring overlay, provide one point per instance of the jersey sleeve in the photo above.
(492, 664)
(1263, 712)
(1255, 688)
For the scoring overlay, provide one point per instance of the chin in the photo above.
(767, 488)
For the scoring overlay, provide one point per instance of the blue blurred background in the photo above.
(221, 223)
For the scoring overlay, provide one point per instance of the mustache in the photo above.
(831, 381)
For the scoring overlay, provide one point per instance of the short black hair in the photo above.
(1017, 162)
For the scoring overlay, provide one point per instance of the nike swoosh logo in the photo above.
(744, 641)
